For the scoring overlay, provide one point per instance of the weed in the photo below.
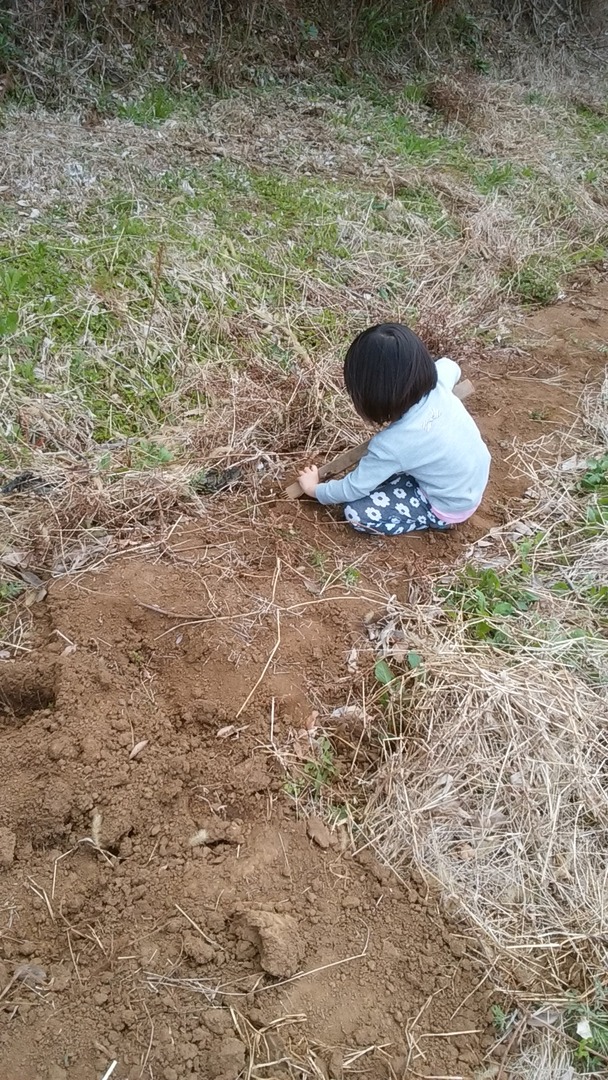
(496, 178)
(592, 122)
(502, 1020)
(339, 814)
(421, 200)
(392, 683)
(413, 146)
(314, 775)
(595, 255)
(536, 283)
(150, 455)
(321, 771)
(381, 27)
(351, 576)
(596, 516)
(595, 479)
(534, 97)
(156, 105)
(209, 481)
(587, 1024)
(319, 561)
(10, 590)
(9, 321)
(539, 414)
(469, 34)
(486, 600)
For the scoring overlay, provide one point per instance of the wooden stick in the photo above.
(345, 461)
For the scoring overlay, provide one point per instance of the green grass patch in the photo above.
(396, 129)
(534, 284)
(497, 177)
(108, 302)
(592, 121)
(97, 287)
(487, 601)
(156, 105)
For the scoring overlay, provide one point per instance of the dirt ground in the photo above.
(175, 909)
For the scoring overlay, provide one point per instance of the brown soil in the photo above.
(173, 897)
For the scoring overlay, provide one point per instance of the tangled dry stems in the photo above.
(501, 796)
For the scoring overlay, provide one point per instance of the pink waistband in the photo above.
(453, 519)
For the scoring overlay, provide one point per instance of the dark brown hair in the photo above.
(387, 370)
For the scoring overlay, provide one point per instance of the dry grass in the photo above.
(500, 794)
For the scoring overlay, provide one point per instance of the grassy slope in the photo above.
(128, 277)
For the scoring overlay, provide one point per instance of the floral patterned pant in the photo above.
(398, 506)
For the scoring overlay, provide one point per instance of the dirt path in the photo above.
(151, 863)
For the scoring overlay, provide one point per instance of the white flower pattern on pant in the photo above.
(390, 510)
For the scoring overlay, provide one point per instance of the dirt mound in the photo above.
(156, 871)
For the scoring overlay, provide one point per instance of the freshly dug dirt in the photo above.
(189, 921)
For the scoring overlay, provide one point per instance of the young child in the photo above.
(429, 468)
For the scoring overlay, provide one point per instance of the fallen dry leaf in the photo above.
(137, 749)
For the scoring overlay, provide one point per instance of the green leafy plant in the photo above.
(383, 673)
(587, 1024)
(322, 770)
(501, 1020)
(596, 516)
(595, 479)
(315, 774)
(486, 600)
(535, 283)
(351, 576)
(150, 455)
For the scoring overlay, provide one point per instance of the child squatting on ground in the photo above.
(429, 468)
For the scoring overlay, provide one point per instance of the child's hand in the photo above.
(309, 480)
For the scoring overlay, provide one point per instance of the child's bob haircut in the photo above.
(387, 370)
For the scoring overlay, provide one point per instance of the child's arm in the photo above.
(374, 468)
